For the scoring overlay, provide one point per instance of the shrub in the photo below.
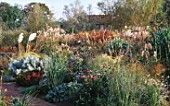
(75, 63)
(4, 62)
(64, 93)
(94, 90)
(101, 63)
(9, 38)
(162, 44)
(117, 46)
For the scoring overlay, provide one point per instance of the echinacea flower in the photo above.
(32, 37)
(89, 71)
(20, 39)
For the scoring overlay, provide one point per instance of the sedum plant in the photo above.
(28, 70)
(29, 63)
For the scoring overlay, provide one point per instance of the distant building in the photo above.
(101, 21)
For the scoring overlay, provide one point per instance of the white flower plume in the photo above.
(20, 39)
(32, 37)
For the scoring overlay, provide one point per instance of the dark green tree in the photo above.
(11, 16)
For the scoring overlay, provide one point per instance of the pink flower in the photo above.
(89, 71)
(83, 76)
(90, 76)
(94, 78)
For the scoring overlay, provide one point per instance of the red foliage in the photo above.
(29, 78)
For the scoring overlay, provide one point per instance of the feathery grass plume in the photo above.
(31, 38)
(21, 47)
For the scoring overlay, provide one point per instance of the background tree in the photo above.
(76, 18)
(106, 6)
(166, 9)
(11, 16)
(89, 9)
(131, 12)
(38, 16)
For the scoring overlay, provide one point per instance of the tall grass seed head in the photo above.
(20, 39)
(32, 37)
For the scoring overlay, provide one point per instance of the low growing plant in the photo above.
(66, 92)
(28, 70)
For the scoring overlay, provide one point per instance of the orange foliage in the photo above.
(8, 49)
(100, 36)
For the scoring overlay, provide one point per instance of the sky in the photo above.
(56, 6)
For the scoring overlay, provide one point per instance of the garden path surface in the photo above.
(15, 91)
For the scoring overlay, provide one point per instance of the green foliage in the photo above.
(101, 63)
(25, 101)
(166, 9)
(55, 70)
(12, 16)
(64, 93)
(1, 101)
(30, 90)
(130, 12)
(38, 16)
(93, 93)
(128, 88)
(118, 46)
(8, 78)
(9, 38)
(162, 44)
(75, 63)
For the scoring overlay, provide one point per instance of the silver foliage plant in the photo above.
(29, 63)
